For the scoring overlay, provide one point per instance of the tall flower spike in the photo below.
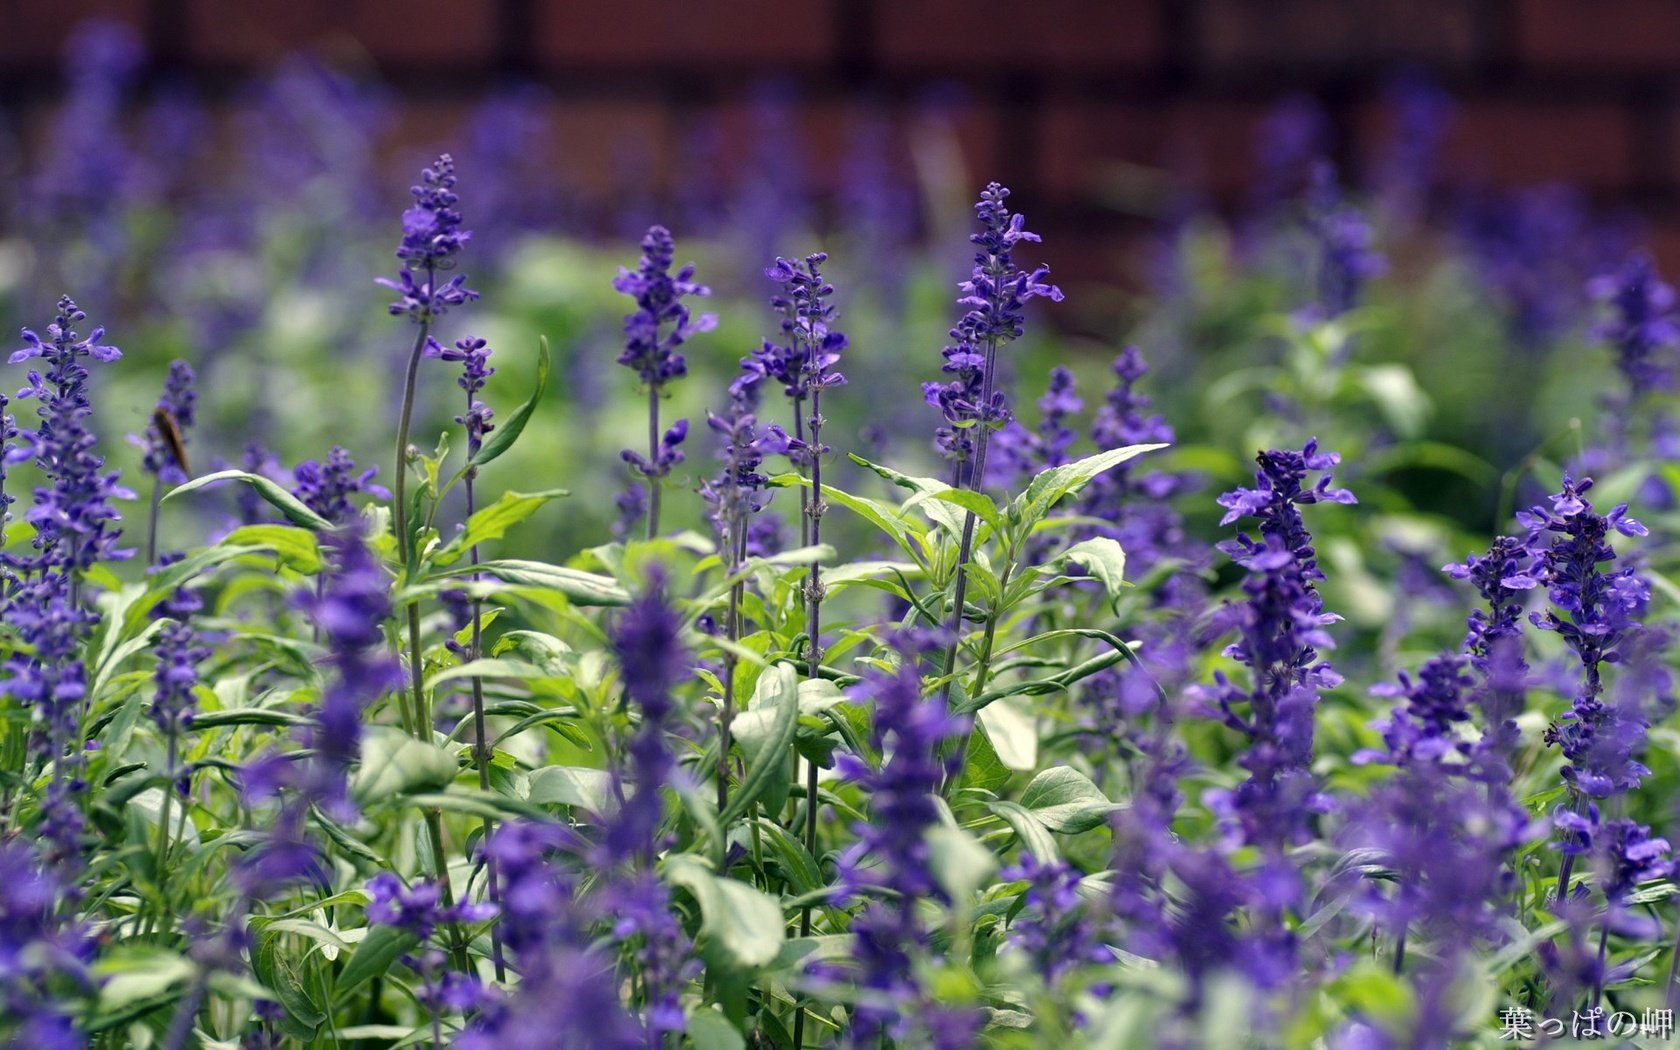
(432, 236)
(352, 608)
(1641, 324)
(653, 337)
(653, 660)
(996, 295)
(1280, 630)
(1345, 245)
(74, 520)
(473, 356)
(168, 433)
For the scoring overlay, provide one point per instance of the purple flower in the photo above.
(1017, 453)
(179, 405)
(73, 517)
(652, 660)
(1053, 927)
(351, 609)
(432, 236)
(1425, 726)
(1344, 242)
(661, 323)
(1594, 613)
(41, 958)
(1280, 629)
(1641, 326)
(740, 489)
(996, 295)
(667, 456)
(179, 652)
(474, 358)
(891, 853)
(326, 488)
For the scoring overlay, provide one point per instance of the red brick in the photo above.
(1515, 142)
(750, 34)
(1338, 34)
(244, 33)
(976, 36)
(33, 33)
(422, 32)
(1589, 33)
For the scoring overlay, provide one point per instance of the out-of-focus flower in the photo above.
(177, 408)
(326, 488)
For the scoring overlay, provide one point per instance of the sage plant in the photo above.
(165, 442)
(973, 407)
(653, 334)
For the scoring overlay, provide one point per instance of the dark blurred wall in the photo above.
(1077, 104)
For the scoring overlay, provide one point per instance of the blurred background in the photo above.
(222, 182)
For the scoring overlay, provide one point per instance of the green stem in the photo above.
(481, 745)
(653, 461)
(152, 521)
(420, 717)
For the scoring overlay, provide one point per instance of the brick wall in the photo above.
(1072, 102)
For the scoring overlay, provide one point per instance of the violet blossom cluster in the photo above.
(891, 854)
(996, 294)
(1346, 257)
(473, 356)
(1132, 499)
(43, 961)
(741, 488)
(1280, 631)
(179, 406)
(418, 910)
(1016, 453)
(653, 337)
(1594, 612)
(812, 348)
(325, 487)
(432, 237)
(1640, 325)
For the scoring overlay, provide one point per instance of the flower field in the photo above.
(444, 619)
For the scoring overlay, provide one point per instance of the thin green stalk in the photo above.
(421, 716)
(481, 745)
(151, 521)
(653, 461)
(163, 829)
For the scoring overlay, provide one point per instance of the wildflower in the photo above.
(996, 295)
(177, 405)
(326, 488)
(73, 517)
(1641, 326)
(40, 958)
(351, 608)
(474, 357)
(432, 237)
(1053, 928)
(1594, 614)
(1344, 239)
(652, 660)
(654, 334)
(910, 731)
(1018, 453)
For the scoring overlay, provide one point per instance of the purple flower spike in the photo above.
(996, 295)
(432, 236)
(179, 406)
(326, 488)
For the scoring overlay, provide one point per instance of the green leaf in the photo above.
(572, 786)
(546, 651)
(488, 667)
(765, 731)
(960, 864)
(267, 488)
(378, 950)
(507, 432)
(742, 927)
(1104, 559)
(579, 587)
(478, 804)
(983, 769)
(296, 547)
(394, 763)
(136, 980)
(1035, 837)
(492, 522)
(1050, 486)
(1066, 801)
(710, 1030)
(978, 504)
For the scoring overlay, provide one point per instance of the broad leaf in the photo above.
(269, 489)
(1066, 801)
(741, 927)
(507, 432)
(492, 522)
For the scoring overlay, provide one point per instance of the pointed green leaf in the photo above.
(267, 488)
(741, 927)
(492, 522)
(502, 438)
(1104, 559)
(1066, 801)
